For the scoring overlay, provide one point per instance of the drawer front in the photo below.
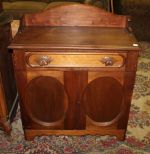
(74, 60)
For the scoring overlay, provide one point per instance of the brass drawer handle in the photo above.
(108, 61)
(44, 60)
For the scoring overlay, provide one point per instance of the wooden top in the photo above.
(74, 38)
(74, 26)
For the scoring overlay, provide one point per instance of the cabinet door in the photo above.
(103, 101)
(46, 101)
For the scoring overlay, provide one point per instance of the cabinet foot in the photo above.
(120, 137)
(6, 126)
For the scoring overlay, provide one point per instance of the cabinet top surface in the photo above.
(74, 37)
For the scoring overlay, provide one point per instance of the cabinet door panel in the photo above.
(45, 100)
(103, 100)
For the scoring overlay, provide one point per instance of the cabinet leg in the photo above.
(120, 137)
(6, 126)
(29, 137)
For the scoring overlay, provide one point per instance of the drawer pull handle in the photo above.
(44, 60)
(108, 61)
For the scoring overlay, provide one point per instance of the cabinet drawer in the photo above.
(74, 60)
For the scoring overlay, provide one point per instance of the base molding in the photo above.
(31, 133)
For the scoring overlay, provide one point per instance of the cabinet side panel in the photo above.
(21, 81)
(21, 84)
(128, 91)
(131, 63)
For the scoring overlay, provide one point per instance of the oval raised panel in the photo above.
(46, 100)
(102, 100)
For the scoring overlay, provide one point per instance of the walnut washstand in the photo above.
(75, 68)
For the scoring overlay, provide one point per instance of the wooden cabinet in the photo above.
(75, 80)
(8, 92)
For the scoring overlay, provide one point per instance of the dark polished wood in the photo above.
(75, 82)
(1, 7)
(106, 94)
(75, 71)
(8, 92)
(45, 100)
(72, 37)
